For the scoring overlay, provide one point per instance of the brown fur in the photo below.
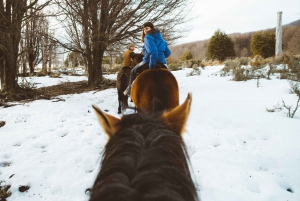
(123, 80)
(145, 158)
(155, 90)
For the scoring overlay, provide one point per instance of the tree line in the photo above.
(94, 29)
(241, 44)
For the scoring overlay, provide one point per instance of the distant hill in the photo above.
(290, 37)
(297, 22)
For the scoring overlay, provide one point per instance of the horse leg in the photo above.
(120, 94)
(124, 103)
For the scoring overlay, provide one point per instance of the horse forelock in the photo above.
(147, 161)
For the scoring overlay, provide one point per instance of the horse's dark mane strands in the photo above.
(144, 161)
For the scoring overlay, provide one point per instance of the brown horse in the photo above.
(123, 80)
(155, 90)
(145, 158)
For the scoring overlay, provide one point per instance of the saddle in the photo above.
(157, 66)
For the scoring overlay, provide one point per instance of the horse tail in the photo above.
(124, 82)
(160, 98)
(122, 86)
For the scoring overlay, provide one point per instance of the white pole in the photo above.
(278, 48)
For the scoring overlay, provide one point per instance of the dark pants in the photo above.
(137, 70)
(140, 68)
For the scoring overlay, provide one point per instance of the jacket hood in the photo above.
(155, 33)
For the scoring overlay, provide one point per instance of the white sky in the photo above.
(242, 16)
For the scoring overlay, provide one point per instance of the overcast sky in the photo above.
(242, 16)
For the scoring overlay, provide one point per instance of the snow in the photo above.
(47, 81)
(238, 150)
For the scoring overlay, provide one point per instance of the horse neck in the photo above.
(146, 157)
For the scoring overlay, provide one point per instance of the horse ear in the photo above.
(176, 118)
(109, 123)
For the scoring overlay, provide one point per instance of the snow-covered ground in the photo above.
(238, 150)
(47, 81)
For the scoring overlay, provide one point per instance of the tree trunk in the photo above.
(24, 66)
(31, 61)
(8, 62)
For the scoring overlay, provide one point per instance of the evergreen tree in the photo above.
(220, 46)
(74, 59)
(263, 44)
(186, 56)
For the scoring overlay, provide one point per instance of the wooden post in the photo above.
(278, 48)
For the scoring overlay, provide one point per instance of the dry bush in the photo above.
(25, 84)
(290, 66)
(242, 74)
(175, 66)
(4, 191)
(291, 111)
(171, 60)
(40, 74)
(111, 69)
(210, 62)
(54, 74)
(258, 62)
(217, 62)
(295, 89)
(202, 64)
(229, 65)
(195, 71)
(275, 108)
(244, 61)
(238, 71)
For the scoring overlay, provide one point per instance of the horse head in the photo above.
(145, 157)
(136, 58)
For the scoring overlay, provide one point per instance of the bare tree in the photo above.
(93, 25)
(32, 39)
(45, 47)
(12, 14)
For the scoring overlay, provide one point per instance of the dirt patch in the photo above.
(53, 91)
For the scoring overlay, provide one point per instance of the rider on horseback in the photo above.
(126, 55)
(155, 51)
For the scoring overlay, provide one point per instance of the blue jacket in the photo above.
(155, 49)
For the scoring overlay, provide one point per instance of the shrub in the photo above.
(263, 44)
(40, 74)
(229, 65)
(171, 60)
(195, 71)
(54, 74)
(295, 89)
(244, 61)
(119, 59)
(174, 66)
(258, 62)
(241, 74)
(220, 46)
(25, 84)
(290, 66)
(109, 69)
(186, 56)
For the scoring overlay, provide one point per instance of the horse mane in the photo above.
(144, 161)
(160, 99)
